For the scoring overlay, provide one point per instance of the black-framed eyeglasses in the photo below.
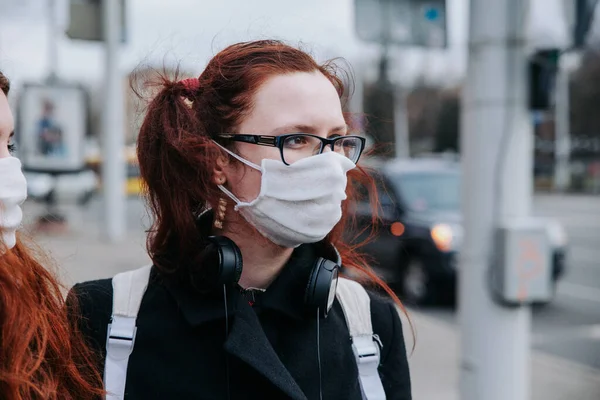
(296, 146)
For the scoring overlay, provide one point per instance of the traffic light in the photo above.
(86, 20)
(543, 69)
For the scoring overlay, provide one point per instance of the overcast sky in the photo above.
(191, 31)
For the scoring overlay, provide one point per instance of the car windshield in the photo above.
(423, 191)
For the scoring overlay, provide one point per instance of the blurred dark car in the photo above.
(416, 246)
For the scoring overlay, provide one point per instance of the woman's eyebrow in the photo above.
(341, 128)
(293, 128)
(306, 129)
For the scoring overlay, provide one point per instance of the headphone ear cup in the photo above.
(222, 261)
(309, 297)
(321, 286)
(237, 265)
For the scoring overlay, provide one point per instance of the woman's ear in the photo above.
(219, 175)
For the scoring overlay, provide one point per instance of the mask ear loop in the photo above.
(243, 161)
(240, 159)
(229, 194)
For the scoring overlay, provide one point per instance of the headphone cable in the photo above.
(319, 354)
(226, 335)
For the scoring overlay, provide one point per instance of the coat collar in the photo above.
(246, 339)
(248, 342)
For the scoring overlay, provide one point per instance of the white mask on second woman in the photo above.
(13, 192)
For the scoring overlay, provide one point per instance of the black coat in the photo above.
(181, 351)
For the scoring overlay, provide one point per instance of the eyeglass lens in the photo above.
(297, 147)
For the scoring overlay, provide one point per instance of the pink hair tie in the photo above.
(191, 85)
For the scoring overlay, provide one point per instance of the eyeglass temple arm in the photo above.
(254, 139)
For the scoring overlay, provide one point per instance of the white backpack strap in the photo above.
(356, 304)
(128, 290)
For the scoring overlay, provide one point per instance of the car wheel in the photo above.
(416, 284)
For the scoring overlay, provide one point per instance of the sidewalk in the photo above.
(435, 367)
(435, 361)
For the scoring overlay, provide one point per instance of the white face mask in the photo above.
(13, 192)
(298, 203)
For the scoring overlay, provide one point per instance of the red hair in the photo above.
(176, 153)
(42, 354)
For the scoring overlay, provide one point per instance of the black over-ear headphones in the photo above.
(224, 260)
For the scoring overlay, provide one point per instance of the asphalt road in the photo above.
(569, 327)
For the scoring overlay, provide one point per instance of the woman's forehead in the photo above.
(297, 99)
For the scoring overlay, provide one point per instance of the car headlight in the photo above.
(557, 234)
(447, 237)
(443, 236)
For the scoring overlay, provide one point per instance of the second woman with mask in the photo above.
(42, 355)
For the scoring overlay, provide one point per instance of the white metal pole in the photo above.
(562, 149)
(357, 100)
(52, 40)
(113, 165)
(496, 146)
(401, 128)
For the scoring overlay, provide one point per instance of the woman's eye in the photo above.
(295, 141)
(11, 148)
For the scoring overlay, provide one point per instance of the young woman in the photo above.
(42, 356)
(246, 174)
